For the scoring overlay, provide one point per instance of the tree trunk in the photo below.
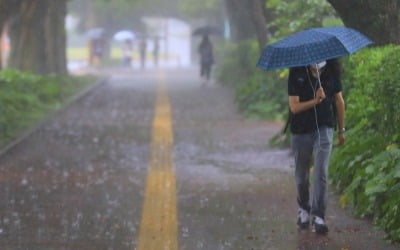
(248, 18)
(56, 37)
(239, 16)
(28, 37)
(8, 8)
(258, 14)
(379, 20)
(38, 37)
(2, 25)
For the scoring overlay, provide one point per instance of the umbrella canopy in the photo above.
(124, 35)
(95, 33)
(206, 30)
(311, 46)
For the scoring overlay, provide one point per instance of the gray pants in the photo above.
(305, 147)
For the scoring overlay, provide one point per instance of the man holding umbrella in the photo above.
(317, 106)
(314, 93)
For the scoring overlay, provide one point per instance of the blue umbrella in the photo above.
(311, 46)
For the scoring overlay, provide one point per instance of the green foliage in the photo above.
(238, 63)
(296, 15)
(25, 98)
(367, 168)
(264, 95)
(111, 15)
(258, 94)
(195, 8)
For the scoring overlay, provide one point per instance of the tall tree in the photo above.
(201, 12)
(38, 37)
(380, 20)
(248, 19)
(259, 19)
(56, 59)
(242, 27)
(115, 15)
(8, 8)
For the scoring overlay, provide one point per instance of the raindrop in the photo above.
(228, 244)
(65, 173)
(42, 216)
(203, 202)
(131, 179)
(90, 168)
(199, 244)
(24, 181)
(185, 232)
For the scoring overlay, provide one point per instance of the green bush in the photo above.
(258, 94)
(26, 97)
(367, 168)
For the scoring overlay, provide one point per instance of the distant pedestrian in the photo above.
(127, 49)
(206, 53)
(156, 50)
(312, 122)
(96, 47)
(142, 52)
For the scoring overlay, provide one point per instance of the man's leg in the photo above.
(322, 151)
(202, 71)
(302, 146)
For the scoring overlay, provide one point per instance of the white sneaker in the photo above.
(303, 219)
(319, 225)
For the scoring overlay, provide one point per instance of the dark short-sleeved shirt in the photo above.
(304, 85)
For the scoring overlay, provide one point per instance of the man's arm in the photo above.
(340, 107)
(296, 106)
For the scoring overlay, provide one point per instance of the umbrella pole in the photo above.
(319, 78)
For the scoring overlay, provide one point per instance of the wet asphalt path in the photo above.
(81, 180)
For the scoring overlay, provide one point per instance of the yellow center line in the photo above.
(158, 228)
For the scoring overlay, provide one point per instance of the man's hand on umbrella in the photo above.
(320, 95)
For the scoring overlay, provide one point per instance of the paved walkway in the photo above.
(157, 160)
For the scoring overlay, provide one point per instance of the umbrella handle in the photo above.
(319, 78)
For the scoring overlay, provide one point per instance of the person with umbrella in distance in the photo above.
(156, 50)
(317, 106)
(142, 51)
(205, 49)
(314, 92)
(206, 53)
(96, 44)
(126, 38)
(127, 50)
